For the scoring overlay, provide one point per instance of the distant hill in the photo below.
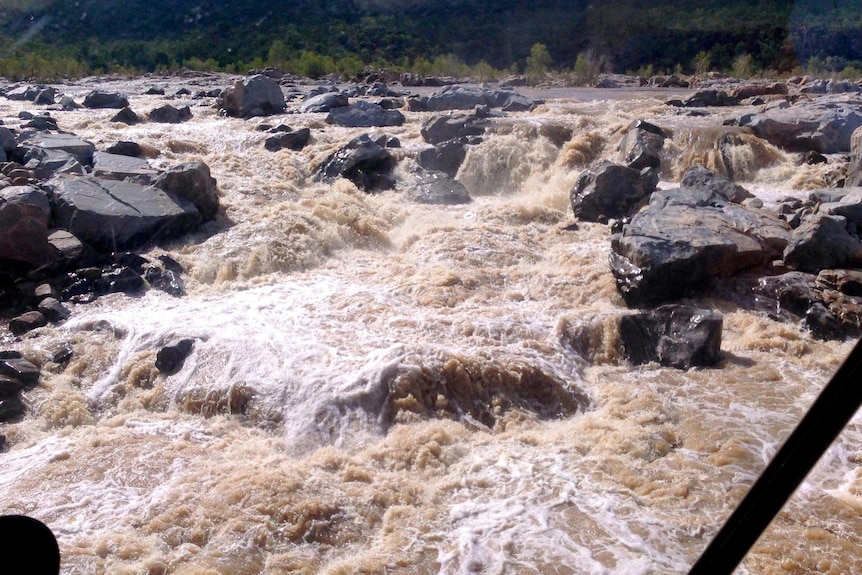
(626, 35)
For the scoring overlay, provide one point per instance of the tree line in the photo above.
(483, 39)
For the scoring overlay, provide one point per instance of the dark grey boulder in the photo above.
(467, 97)
(102, 99)
(437, 188)
(26, 322)
(67, 245)
(678, 244)
(53, 310)
(710, 98)
(25, 213)
(44, 163)
(822, 242)
(42, 123)
(168, 114)
(193, 182)
(699, 177)
(364, 114)
(11, 409)
(81, 149)
(444, 128)
(254, 96)
(677, 336)
(16, 367)
(166, 280)
(120, 167)
(854, 168)
(127, 116)
(324, 102)
(611, 191)
(291, 140)
(9, 386)
(124, 148)
(365, 161)
(641, 145)
(111, 214)
(754, 89)
(45, 97)
(445, 157)
(823, 124)
(170, 359)
(7, 140)
(23, 93)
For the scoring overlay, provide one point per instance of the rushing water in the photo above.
(378, 386)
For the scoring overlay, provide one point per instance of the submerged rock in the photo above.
(170, 359)
(678, 336)
(438, 188)
(364, 160)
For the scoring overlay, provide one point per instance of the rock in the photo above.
(364, 114)
(254, 96)
(845, 202)
(8, 143)
(677, 336)
(170, 359)
(9, 387)
(295, 141)
(53, 310)
(102, 99)
(119, 167)
(364, 160)
(168, 114)
(120, 279)
(45, 97)
(67, 245)
(848, 282)
(81, 149)
(41, 123)
(324, 102)
(686, 238)
(131, 149)
(710, 98)
(444, 128)
(611, 191)
(11, 409)
(28, 321)
(699, 177)
(111, 215)
(67, 104)
(824, 124)
(438, 188)
(445, 157)
(641, 145)
(759, 89)
(44, 290)
(192, 181)
(25, 213)
(822, 242)
(854, 168)
(166, 280)
(23, 93)
(45, 163)
(466, 98)
(822, 324)
(519, 103)
(127, 116)
(16, 367)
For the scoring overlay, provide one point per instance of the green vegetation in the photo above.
(484, 39)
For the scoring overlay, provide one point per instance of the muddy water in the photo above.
(383, 387)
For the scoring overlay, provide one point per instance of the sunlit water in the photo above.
(383, 387)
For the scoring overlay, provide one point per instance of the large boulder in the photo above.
(254, 96)
(168, 114)
(641, 145)
(25, 213)
(611, 191)
(324, 102)
(192, 181)
(365, 161)
(111, 215)
(290, 139)
(854, 168)
(824, 124)
(684, 239)
(364, 114)
(822, 242)
(701, 178)
(678, 336)
(445, 157)
(102, 99)
(444, 128)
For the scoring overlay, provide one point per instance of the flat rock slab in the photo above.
(120, 167)
(111, 214)
(364, 114)
(824, 124)
(81, 149)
